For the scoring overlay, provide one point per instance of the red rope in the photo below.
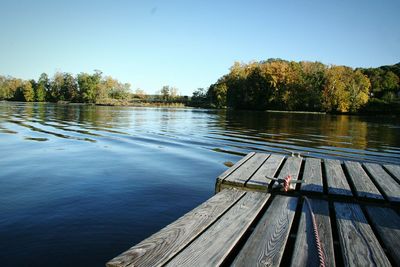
(286, 183)
(321, 255)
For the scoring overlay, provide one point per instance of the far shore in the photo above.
(183, 105)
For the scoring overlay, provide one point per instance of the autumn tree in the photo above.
(358, 86)
(27, 91)
(8, 87)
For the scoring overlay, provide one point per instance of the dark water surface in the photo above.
(80, 184)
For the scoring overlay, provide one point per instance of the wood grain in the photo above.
(387, 223)
(212, 247)
(240, 176)
(365, 188)
(312, 176)
(291, 167)
(389, 186)
(221, 177)
(358, 243)
(394, 170)
(269, 168)
(266, 244)
(236, 165)
(163, 245)
(305, 249)
(336, 179)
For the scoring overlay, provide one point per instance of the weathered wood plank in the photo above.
(365, 188)
(291, 167)
(235, 166)
(239, 163)
(163, 245)
(269, 168)
(387, 223)
(336, 179)
(388, 185)
(394, 170)
(358, 243)
(312, 176)
(266, 244)
(240, 176)
(212, 247)
(305, 249)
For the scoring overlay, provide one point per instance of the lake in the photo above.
(80, 184)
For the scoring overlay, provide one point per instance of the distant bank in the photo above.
(274, 84)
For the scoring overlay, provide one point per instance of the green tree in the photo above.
(43, 88)
(69, 88)
(199, 98)
(40, 93)
(311, 82)
(56, 87)
(390, 81)
(217, 94)
(89, 86)
(6, 88)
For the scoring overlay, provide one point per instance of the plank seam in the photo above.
(204, 230)
(290, 243)
(301, 174)
(376, 233)
(377, 185)
(391, 174)
(242, 241)
(349, 180)
(245, 183)
(277, 173)
(324, 179)
(337, 250)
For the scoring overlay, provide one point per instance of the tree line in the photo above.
(84, 87)
(272, 84)
(307, 86)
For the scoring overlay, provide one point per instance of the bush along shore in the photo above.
(273, 84)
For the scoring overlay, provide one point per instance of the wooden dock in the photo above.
(250, 221)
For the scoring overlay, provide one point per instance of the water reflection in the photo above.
(79, 184)
(317, 135)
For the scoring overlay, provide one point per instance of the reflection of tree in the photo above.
(310, 130)
(104, 117)
(28, 110)
(345, 131)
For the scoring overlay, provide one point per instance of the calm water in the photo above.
(80, 184)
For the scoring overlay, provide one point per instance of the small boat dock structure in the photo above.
(341, 214)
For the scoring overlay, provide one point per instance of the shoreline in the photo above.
(183, 105)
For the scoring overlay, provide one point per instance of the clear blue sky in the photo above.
(190, 44)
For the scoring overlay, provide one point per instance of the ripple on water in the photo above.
(39, 139)
(74, 180)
